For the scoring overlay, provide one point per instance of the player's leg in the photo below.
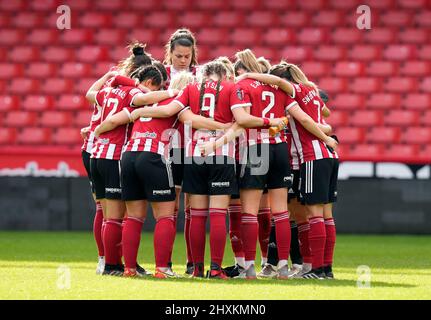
(264, 221)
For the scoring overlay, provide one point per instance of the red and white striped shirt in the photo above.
(294, 159)
(114, 100)
(265, 101)
(309, 147)
(221, 112)
(153, 134)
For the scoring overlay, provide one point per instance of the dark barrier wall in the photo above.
(364, 206)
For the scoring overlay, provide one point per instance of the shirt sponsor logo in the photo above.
(113, 190)
(220, 184)
(161, 192)
(138, 135)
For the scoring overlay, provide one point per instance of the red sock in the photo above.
(164, 235)
(304, 244)
(187, 234)
(217, 234)
(282, 234)
(330, 241)
(175, 218)
(249, 234)
(120, 247)
(197, 234)
(235, 230)
(131, 239)
(264, 220)
(102, 231)
(97, 228)
(317, 239)
(111, 240)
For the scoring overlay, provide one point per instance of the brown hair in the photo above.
(146, 73)
(137, 58)
(264, 64)
(230, 71)
(183, 37)
(247, 60)
(161, 68)
(211, 68)
(292, 73)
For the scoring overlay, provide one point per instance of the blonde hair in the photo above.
(181, 79)
(230, 71)
(264, 64)
(182, 37)
(247, 60)
(293, 73)
(137, 58)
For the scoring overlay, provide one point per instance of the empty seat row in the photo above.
(54, 119)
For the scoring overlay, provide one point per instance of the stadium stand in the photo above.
(378, 80)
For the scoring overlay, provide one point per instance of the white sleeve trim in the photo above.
(128, 114)
(180, 103)
(182, 110)
(291, 105)
(241, 105)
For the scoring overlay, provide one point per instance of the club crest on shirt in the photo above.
(239, 94)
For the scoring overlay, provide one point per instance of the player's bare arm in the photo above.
(153, 97)
(92, 92)
(283, 84)
(112, 122)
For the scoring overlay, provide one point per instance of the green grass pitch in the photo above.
(61, 265)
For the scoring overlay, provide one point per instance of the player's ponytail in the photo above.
(247, 61)
(148, 73)
(292, 73)
(137, 58)
(264, 64)
(230, 71)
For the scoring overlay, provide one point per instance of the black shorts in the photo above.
(318, 181)
(294, 189)
(210, 176)
(145, 176)
(267, 167)
(86, 161)
(177, 164)
(105, 174)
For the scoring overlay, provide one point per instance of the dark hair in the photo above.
(323, 95)
(161, 68)
(211, 68)
(137, 58)
(146, 73)
(183, 37)
(281, 70)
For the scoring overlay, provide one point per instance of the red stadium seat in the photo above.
(329, 53)
(401, 85)
(92, 54)
(396, 18)
(278, 37)
(425, 52)
(24, 54)
(425, 153)
(34, 136)
(365, 53)
(338, 119)
(227, 51)
(76, 36)
(348, 101)
(312, 5)
(425, 119)
(245, 36)
(417, 36)
(42, 37)
(417, 135)
(282, 5)
(295, 19)
(13, 6)
(23, 86)
(382, 68)
(11, 37)
(82, 85)
(402, 118)
(383, 101)
(8, 135)
(264, 19)
(365, 85)
(333, 85)
(423, 18)
(55, 119)
(82, 118)
(383, 135)
(245, 4)
(27, 20)
(415, 68)
(347, 35)
(58, 54)
(10, 70)
(57, 86)
(44, 5)
(20, 119)
(8, 103)
(366, 118)
(328, 18)
(148, 36)
(315, 69)
(40, 70)
(118, 53)
(425, 84)
(211, 5)
(127, 20)
(350, 135)
(346, 4)
(196, 19)
(401, 151)
(348, 69)
(266, 52)
(296, 54)
(399, 52)
(412, 4)
(37, 103)
(213, 36)
(72, 102)
(144, 5)
(81, 5)
(75, 70)
(160, 19)
(417, 101)
(5, 20)
(228, 19)
(380, 35)
(311, 36)
(365, 151)
(67, 136)
(100, 68)
(94, 20)
(177, 5)
(111, 5)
